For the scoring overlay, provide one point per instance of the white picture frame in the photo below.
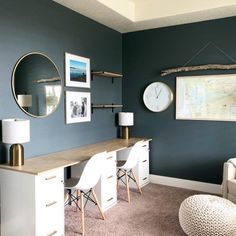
(78, 107)
(206, 97)
(77, 71)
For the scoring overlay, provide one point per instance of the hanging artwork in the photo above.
(78, 107)
(77, 71)
(209, 97)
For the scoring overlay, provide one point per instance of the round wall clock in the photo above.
(157, 96)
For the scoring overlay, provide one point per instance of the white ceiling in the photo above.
(132, 15)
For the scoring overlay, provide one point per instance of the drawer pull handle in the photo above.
(109, 177)
(144, 160)
(108, 158)
(51, 177)
(51, 204)
(145, 178)
(110, 199)
(145, 145)
(54, 232)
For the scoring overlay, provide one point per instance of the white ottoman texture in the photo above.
(207, 215)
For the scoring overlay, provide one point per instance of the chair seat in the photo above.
(71, 183)
(120, 164)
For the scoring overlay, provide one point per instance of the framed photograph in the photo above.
(210, 97)
(77, 71)
(78, 107)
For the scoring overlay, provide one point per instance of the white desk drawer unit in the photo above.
(142, 169)
(107, 185)
(34, 203)
(50, 205)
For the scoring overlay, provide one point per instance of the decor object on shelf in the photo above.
(112, 106)
(16, 132)
(77, 71)
(32, 73)
(200, 67)
(207, 215)
(157, 96)
(126, 119)
(229, 180)
(209, 97)
(78, 107)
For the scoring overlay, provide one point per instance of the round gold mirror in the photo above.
(36, 85)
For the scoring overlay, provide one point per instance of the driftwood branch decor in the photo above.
(201, 67)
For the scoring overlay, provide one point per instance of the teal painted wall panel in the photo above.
(193, 150)
(47, 27)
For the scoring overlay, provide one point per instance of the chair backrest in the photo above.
(133, 156)
(92, 171)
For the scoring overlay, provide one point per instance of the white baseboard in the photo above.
(187, 184)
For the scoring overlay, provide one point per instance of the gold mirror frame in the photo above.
(42, 81)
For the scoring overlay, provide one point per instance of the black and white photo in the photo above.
(78, 108)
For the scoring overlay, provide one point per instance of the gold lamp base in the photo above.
(16, 155)
(125, 132)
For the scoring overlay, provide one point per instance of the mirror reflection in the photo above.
(36, 85)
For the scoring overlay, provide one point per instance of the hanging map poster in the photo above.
(210, 97)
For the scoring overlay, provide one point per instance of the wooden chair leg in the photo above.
(82, 211)
(127, 186)
(136, 181)
(99, 208)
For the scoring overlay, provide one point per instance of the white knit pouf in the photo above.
(207, 215)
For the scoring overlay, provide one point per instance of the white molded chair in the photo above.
(126, 169)
(83, 186)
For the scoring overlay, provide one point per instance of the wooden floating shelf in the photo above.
(112, 106)
(107, 74)
(106, 105)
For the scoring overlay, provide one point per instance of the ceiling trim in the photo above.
(134, 15)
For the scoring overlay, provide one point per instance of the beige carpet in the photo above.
(154, 213)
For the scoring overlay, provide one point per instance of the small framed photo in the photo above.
(77, 71)
(78, 107)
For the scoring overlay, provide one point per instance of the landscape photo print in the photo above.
(77, 71)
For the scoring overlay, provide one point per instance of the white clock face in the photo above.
(157, 96)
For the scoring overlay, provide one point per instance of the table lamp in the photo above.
(126, 119)
(24, 100)
(16, 132)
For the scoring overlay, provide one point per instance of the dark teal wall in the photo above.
(193, 150)
(47, 27)
(183, 149)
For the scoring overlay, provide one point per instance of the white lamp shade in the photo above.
(126, 118)
(24, 100)
(15, 131)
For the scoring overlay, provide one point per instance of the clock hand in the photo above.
(156, 92)
(159, 93)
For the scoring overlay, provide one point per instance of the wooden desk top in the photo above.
(39, 164)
